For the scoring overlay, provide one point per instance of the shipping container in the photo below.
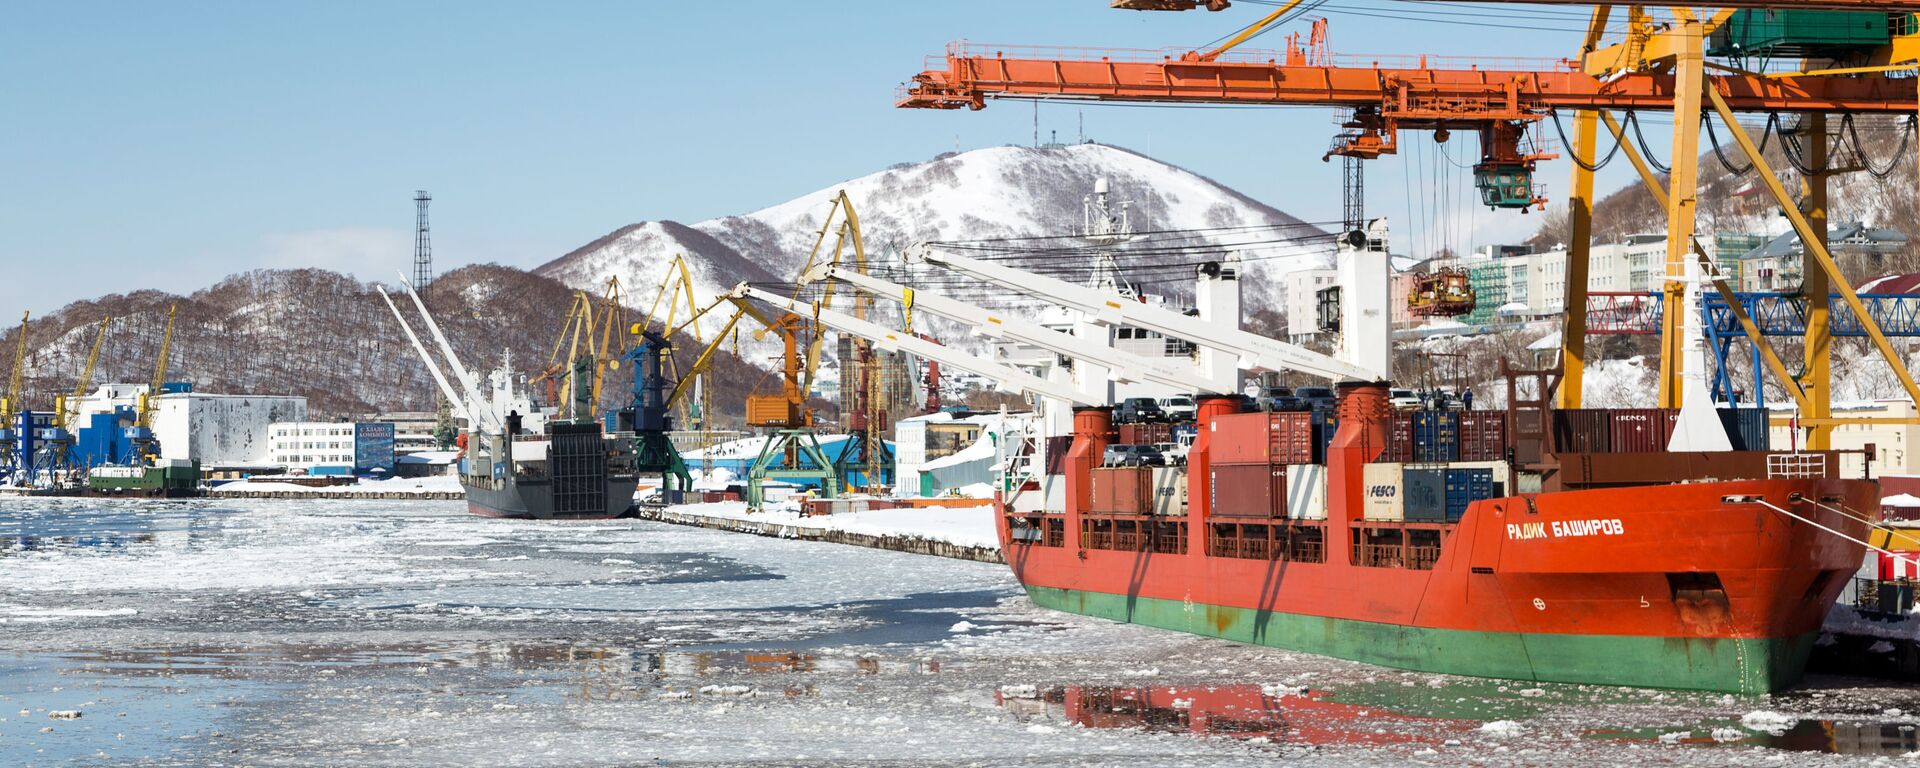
(1399, 439)
(1483, 436)
(1747, 428)
(1324, 426)
(1155, 432)
(1120, 491)
(1425, 493)
(1583, 430)
(1466, 486)
(1262, 438)
(1638, 430)
(1128, 434)
(1307, 492)
(1436, 436)
(1381, 491)
(1169, 491)
(1248, 490)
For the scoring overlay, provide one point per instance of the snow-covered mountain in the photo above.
(1001, 192)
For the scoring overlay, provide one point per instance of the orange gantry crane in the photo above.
(1658, 64)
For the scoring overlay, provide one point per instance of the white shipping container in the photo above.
(1170, 491)
(1383, 493)
(1306, 492)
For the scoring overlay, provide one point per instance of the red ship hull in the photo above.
(1701, 585)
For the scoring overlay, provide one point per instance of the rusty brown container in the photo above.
(1248, 491)
(1263, 438)
(1638, 430)
(1121, 491)
(1483, 435)
(1583, 430)
(1399, 439)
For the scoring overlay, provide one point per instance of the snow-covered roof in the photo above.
(1549, 341)
(1901, 500)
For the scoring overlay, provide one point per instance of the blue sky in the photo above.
(165, 145)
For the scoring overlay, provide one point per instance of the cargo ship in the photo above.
(552, 468)
(1550, 557)
(567, 470)
(164, 479)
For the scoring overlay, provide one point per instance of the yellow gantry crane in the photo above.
(593, 346)
(66, 407)
(140, 440)
(9, 400)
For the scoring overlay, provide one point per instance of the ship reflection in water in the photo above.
(1824, 736)
(1274, 714)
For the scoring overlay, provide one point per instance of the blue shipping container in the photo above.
(1324, 425)
(1464, 487)
(1747, 428)
(1436, 436)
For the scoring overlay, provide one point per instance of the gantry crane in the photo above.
(786, 414)
(142, 446)
(53, 454)
(866, 451)
(592, 347)
(677, 292)
(10, 429)
(1660, 65)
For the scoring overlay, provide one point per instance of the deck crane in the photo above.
(142, 447)
(1124, 366)
(1253, 351)
(1660, 66)
(10, 429)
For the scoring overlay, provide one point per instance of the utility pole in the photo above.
(422, 242)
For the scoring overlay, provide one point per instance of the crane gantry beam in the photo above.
(1416, 91)
(1826, 5)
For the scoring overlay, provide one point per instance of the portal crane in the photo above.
(9, 405)
(142, 447)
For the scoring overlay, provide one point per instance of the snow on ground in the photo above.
(434, 484)
(969, 526)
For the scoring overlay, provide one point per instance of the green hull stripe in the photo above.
(1734, 665)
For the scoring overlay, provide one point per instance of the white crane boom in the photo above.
(476, 401)
(1255, 351)
(1123, 366)
(446, 389)
(889, 339)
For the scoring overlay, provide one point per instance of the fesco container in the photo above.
(1263, 438)
(1380, 491)
(1436, 436)
(1638, 430)
(1307, 492)
(1483, 435)
(1583, 430)
(1464, 487)
(1747, 428)
(1425, 493)
(1167, 491)
(1255, 491)
(1120, 491)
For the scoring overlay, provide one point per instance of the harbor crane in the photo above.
(142, 447)
(10, 428)
(1658, 65)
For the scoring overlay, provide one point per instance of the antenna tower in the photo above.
(422, 242)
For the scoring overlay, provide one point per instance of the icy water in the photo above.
(408, 633)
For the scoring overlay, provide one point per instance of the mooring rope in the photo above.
(1763, 502)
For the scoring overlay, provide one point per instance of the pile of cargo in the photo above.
(1269, 466)
(1139, 491)
(1440, 436)
(1438, 492)
(1647, 430)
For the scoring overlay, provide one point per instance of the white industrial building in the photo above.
(214, 430)
(217, 430)
(308, 443)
